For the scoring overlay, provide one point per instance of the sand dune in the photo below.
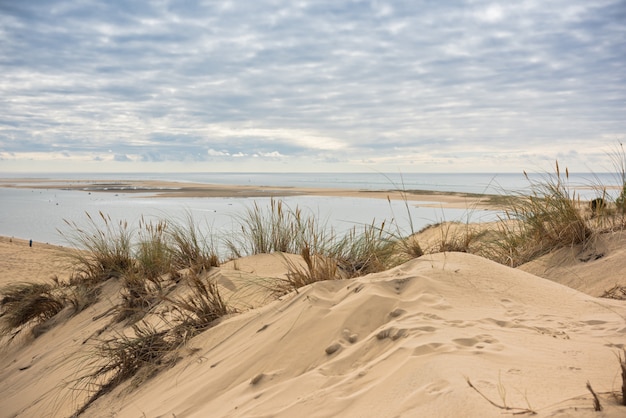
(398, 343)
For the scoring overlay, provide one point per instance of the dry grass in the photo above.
(121, 357)
(24, 304)
(153, 256)
(202, 305)
(316, 268)
(104, 249)
(146, 349)
(616, 292)
(456, 237)
(139, 294)
(190, 248)
(366, 250)
(276, 229)
(548, 218)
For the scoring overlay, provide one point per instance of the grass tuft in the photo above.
(24, 304)
(202, 306)
(153, 256)
(123, 356)
(546, 219)
(316, 268)
(104, 249)
(368, 250)
(276, 229)
(190, 248)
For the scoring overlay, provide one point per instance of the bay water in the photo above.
(40, 214)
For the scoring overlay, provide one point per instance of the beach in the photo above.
(444, 334)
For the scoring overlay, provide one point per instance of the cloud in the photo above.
(341, 82)
(214, 153)
(273, 154)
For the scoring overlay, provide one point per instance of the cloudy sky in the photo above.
(320, 85)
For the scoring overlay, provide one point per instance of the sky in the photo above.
(324, 85)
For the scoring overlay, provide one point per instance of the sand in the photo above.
(400, 343)
(20, 262)
(406, 342)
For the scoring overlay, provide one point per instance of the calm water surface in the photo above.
(39, 214)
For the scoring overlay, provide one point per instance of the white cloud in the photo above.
(273, 154)
(214, 153)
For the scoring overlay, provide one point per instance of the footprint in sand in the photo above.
(480, 342)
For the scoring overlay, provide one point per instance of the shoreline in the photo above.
(171, 189)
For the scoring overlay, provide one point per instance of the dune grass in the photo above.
(152, 253)
(316, 268)
(365, 249)
(29, 305)
(104, 247)
(277, 228)
(201, 306)
(147, 349)
(24, 304)
(533, 224)
(191, 248)
(139, 355)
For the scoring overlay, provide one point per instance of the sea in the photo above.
(43, 214)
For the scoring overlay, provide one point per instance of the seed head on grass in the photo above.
(548, 218)
(189, 247)
(277, 228)
(152, 255)
(103, 249)
(316, 268)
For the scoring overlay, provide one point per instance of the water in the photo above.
(39, 214)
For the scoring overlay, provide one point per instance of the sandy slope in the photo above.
(397, 343)
(593, 269)
(20, 262)
(405, 342)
